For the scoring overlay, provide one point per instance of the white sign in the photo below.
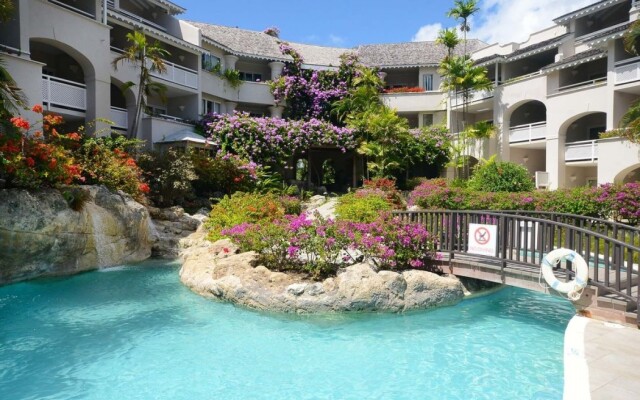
(483, 239)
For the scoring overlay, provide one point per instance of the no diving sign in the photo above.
(482, 239)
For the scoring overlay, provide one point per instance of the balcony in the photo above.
(528, 133)
(255, 92)
(111, 6)
(627, 71)
(63, 93)
(120, 118)
(414, 102)
(474, 96)
(75, 7)
(179, 75)
(584, 151)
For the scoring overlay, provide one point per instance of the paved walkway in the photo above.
(602, 361)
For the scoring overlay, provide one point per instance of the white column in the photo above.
(276, 111)
(276, 69)
(230, 106)
(230, 61)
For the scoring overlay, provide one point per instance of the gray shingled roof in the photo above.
(242, 42)
(620, 29)
(576, 59)
(409, 54)
(320, 55)
(542, 46)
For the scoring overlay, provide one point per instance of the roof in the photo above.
(488, 59)
(409, 54)
(617, 30)
(320, 55)
(538, 47)
(172, 7)
(590, 9)
(184, 135)
(576, 59)
(242, 42)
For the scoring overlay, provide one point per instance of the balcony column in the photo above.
(556, 166)
(230, 61)
(276, 111)
(98, 103)
(276, 69)
(230, 106)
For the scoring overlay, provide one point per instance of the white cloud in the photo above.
(427, 32)
(336, 40)
(507, 21)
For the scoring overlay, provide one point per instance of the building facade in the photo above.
(552, 95)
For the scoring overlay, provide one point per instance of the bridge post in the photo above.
(504, 240)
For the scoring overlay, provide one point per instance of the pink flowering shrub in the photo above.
(274, 141)
(620, 202)
(320, 246)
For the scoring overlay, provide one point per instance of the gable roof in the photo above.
(410, 54)
(320, 55)
(590, 9)
(576, 59)
(242, 42)
(538, 47)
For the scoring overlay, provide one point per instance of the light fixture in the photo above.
(573, 177)
(181, 57)
(525, 158)
(574, 72)
(181, 108)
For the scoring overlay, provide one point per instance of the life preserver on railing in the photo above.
(573, 288)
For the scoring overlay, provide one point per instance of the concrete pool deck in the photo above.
(601, 361)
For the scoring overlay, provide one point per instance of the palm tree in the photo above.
(11, 96)
(6, 10)
(148, 57)
(461, 75)
(449, 38)
(632, 38)
(463, 10)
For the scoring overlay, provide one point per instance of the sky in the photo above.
(348, 23)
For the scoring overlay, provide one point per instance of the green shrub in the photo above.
(501, 176)
(107, 161)
(224, 174)
(243, 207)
(364, 205)
(169, 174)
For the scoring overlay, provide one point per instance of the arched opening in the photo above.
(581, 148)
(628, 175)
(64, 89)
(527, 135)
(328, 172)
(302, 170)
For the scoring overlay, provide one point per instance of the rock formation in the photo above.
(41, 235)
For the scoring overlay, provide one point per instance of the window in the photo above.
(210, 62)
(250, 77)
(427, 119)
(427, 81)
(209, 107)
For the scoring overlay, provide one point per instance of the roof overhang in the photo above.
(155, 33)
(593, 8)
(537, 50)
(221, 46)
(576, 62)
(173, 8)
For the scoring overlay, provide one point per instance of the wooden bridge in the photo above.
(611, 250)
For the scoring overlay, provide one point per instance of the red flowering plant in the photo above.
(110, 162)
(33, 157)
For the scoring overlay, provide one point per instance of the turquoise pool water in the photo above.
(137, 333)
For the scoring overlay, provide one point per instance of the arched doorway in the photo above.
(528, 134)
(581, 135)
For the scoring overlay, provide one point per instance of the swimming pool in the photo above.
(137, 333)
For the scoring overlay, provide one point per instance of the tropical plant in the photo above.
(232, 76)
(11, 97)
(461, 76)
(449, 39)
(169, 174)
(630, 122)
(6, 10)
(149, 58)
(463, 10)
(501, 176)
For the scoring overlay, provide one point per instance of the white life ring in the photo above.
(573, 288)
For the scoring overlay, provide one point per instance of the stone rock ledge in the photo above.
(214, 270)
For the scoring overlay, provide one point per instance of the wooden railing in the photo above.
(611, 250)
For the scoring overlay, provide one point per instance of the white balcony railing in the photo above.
(627, 71)
(581, 151)
(119, 117)
(475, 95)
(177, 74)
(63, 93)
(581, 85)
(528, 132)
